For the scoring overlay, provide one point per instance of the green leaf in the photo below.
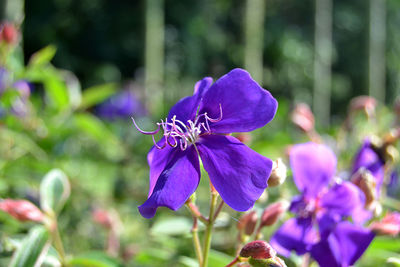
(95, 128)
(43, 56)
(97, 94)
(56, 90)
(94, 259)
(216, 259)
(53, 82)
(32, 249)
(54, 191)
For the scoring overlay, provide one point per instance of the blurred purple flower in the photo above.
(20, 106)
(122, 105)
(197, 126)
(3, 79)
(393, 185)
(368, 158)
(322, 205)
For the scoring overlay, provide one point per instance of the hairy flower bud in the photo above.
(273, 212)
(258, 249)
(22, 210)
(303, 117)
(390, 225)
(248, 222)
(363, 103)
(103, 218)
(364, 180)
(278, 174)
(8, 33)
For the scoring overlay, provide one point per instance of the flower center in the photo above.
(176, 132)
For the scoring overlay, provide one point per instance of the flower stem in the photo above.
(232, 263)
(220, 206)
(57, 242)
(209, 226)
(196, 241)
(194, 210)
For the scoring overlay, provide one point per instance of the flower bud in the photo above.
(8, 33)
(303, 117)
(278, 174)
(22, 210)
(258, 249)
(364, 180)
(272, 213)
(102, 217)
(248, 222)
(390, 225)
(363, 103)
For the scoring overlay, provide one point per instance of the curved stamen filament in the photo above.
(146, 132)
(217, 119)
(157, 146)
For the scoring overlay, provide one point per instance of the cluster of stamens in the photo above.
(177, 132)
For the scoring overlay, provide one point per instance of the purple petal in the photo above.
(176, 183)
(201, 86)
(295, 234)
(313, 166)
(342, 199)
(353, 240)
(245, 105)
(186, 108)
(158, 160)
(343, 247)
(238, 173)
(369, 159)
(324, 254)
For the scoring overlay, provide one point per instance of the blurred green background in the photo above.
(321, 52)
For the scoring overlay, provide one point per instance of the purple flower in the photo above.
(20, 106)
(322, 205)
(197, 126)
(122, 105)
(4, 76)
(368, 158)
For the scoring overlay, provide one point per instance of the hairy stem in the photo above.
(194, 210)
(196, 241)
(209, 226)
(57, 242)
(232, 263)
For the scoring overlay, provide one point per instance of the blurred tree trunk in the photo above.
(154, 55)
(12, 10)
(254, 37)
(377, 44)
(322, 61)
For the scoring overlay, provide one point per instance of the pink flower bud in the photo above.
(102, 217)
(303, 117)
(248, 222)
(278, 174)
(258, 249)
(390, 225)
(8, 33)
(22, 210)
(272, 213)
(363, 103)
